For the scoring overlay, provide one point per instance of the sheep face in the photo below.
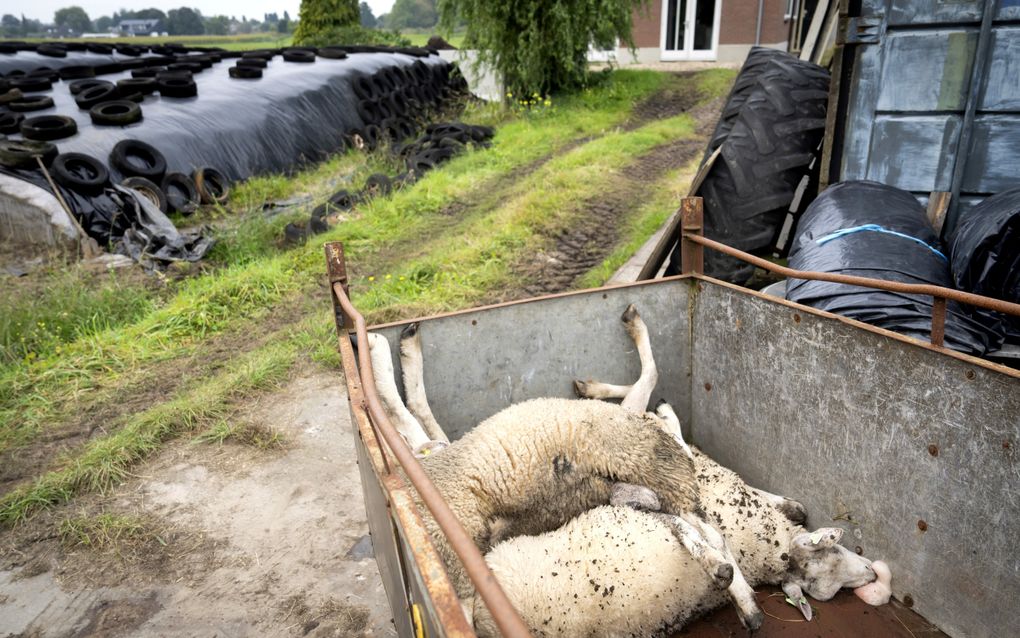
(819, 566)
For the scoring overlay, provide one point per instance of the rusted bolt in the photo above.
(859, 550)
(933, 449)
(605, 296)
(921, 525)
(708, 387)
(474, 322)
(1005, 445)
(970, 375)
(908, 600)
(796, 318)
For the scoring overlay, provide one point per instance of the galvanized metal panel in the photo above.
(479, 362)
(994, 164)
(873, 435)
(900, 117)
(927, 71)
(934, 11)
(1002, 91)
(384, 539)
(909, 164)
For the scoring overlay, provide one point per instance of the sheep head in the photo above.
(819, 567)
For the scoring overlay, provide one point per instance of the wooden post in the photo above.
(336, 271)
(938, 205)
(692, 257)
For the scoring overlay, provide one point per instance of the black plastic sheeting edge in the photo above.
(985, 254)
(904, 248)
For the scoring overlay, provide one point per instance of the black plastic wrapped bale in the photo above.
(985, 255)
(873, 230)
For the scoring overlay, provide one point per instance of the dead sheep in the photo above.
(616, 571)
(536, 465)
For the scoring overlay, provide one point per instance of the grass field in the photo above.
(147, 359)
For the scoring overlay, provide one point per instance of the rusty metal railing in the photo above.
(692, 244)
(503, 612)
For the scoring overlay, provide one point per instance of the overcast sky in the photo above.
(44, 9)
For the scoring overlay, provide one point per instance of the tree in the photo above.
(104, 23)
(217, 25)
(10, 25)
(150, 14)
(72, 18)
(367, 18)
(321, 16)
(184, 21)
(540, 46)
(412, 14)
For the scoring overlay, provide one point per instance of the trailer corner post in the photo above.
(692, 255)
(336, 271)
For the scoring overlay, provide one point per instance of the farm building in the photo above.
(707, 30)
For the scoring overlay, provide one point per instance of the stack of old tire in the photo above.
(440, 143)
(985, 254)
(769, 133)
(395, 102)
(873, 230)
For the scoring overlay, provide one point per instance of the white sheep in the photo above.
(616, 571)
(536, 465)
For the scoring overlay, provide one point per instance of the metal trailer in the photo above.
(910, 447)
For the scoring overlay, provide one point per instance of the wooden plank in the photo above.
(807, 51)
(938, 206)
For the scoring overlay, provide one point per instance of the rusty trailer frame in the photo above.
(913, 400)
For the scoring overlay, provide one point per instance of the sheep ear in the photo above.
(821, 538)
(795, 597)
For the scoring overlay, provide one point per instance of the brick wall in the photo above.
(737, 23)
(648, 25)
(739, 19)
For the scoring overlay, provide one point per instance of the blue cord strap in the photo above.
(875, 228)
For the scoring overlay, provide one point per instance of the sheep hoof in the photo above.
(409, 330)
(753, 621)
(723, 576)
(793, 511)
(580, 389)
(630, 314)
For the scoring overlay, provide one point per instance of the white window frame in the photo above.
(688, 24)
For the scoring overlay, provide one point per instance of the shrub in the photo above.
(354, 34)
(318, 16)
(540, 46)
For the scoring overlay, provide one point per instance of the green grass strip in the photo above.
(105, 461)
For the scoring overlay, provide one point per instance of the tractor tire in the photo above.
(767, 151)
(743, 86)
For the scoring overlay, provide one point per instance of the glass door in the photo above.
(690, 29)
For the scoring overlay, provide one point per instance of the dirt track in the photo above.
(257, 543)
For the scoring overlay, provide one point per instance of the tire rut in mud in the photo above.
(580, 248)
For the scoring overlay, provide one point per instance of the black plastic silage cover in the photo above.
(295, 114)
(873, 230)
(985, 253)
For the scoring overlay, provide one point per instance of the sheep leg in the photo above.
(671, 425)
(740, 591)
(707, 546)
(598, 390)
(412, 367)
(790, 508)
(641, 392)
(711, 559)
(636, 497)
(386, 384)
